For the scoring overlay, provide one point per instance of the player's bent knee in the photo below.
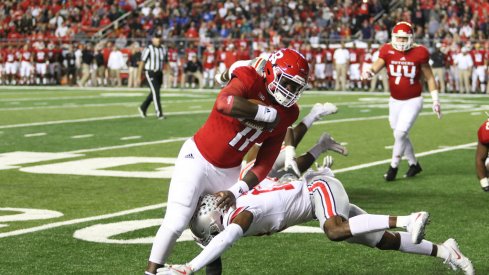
(400, 134)
(389, 241)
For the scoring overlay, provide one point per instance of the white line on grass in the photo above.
(157, 206)
(83, 136)
(130, 145)
(35, 135)
(130, 137)
(76, 221)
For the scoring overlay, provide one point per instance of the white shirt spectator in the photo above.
(61, 31)
(463, 61)
(381, 36)
(116, 60)
(146, 10)
(341, 56)
(56, 21)
(466, 30)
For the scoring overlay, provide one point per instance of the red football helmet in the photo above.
(286, 73)
(402, 30)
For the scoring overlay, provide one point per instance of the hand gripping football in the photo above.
(258, 125)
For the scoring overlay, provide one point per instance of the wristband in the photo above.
(239, 188)
(484, 182)
(266, 114)
(434, 96)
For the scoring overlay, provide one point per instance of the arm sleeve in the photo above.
(217, 246)
(267, 155)
(225, 99)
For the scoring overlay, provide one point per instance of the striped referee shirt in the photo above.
(153, 58)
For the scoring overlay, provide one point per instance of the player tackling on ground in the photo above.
(406, 62)
(210, 161)
(274, 206)
(481, 161)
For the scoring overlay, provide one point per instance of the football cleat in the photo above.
(390, 175)
(486, 189)
(327, 142)
(319, 110)
(456, 259)
(141, 112)
(416, 225)
(161, 117)
(175, 270)
(413, 170)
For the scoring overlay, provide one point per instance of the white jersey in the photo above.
(274, 207)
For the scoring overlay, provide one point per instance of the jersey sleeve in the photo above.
(247, 75)
(383, 52)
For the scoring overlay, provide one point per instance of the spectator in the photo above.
(70, 66)
(192, 72)
(86, 66)
(100, 66)
(480, 68)
(341, 59)
(464, 64)
(115, 64)
(134, 79)
(438, 66)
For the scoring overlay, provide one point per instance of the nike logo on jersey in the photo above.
(189, 156)
(261, 96)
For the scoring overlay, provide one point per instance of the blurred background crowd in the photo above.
(99, 43)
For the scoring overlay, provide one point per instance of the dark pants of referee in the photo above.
(154, 80)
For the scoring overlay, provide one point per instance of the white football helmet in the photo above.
(207, 219)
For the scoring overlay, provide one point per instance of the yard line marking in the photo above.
(130, 137)
(83, 136)
(35, 135)
(162, 205)
(427, 153)
(81, 220)
(129, 145)
(93, 119)
(94, 96)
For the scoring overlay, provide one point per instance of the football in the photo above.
(258, 125)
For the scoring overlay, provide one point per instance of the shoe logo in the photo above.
(181, 272)
(417, 217)
(189, 156)
(456, 253)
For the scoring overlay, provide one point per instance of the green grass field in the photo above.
(83, 182)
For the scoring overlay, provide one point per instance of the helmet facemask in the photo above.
(402, 45)
(285, 88)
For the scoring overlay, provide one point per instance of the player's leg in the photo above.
(407, 117)
(185, 188)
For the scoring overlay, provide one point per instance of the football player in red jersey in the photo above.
(210, 161)
(481, 160)
(406, 62)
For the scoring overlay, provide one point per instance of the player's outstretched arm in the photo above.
(376, 67)
(223, 241)
(430, 79)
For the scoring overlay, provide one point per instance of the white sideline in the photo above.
(161, 205)
(76, 221)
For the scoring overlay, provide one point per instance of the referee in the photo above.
(152, 60)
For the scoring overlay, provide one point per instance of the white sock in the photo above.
(366, 223)
(217, 246)
(442, 252)
(163, 244)
(399, 146)
(423, 248)
(409, 152)
(309, 119)
(402, 221)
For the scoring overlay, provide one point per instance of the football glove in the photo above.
(437, 109)
(290, 162)
(367, 75)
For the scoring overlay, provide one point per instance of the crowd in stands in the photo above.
(221, 32)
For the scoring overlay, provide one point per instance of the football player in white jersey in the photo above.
(274, 206)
